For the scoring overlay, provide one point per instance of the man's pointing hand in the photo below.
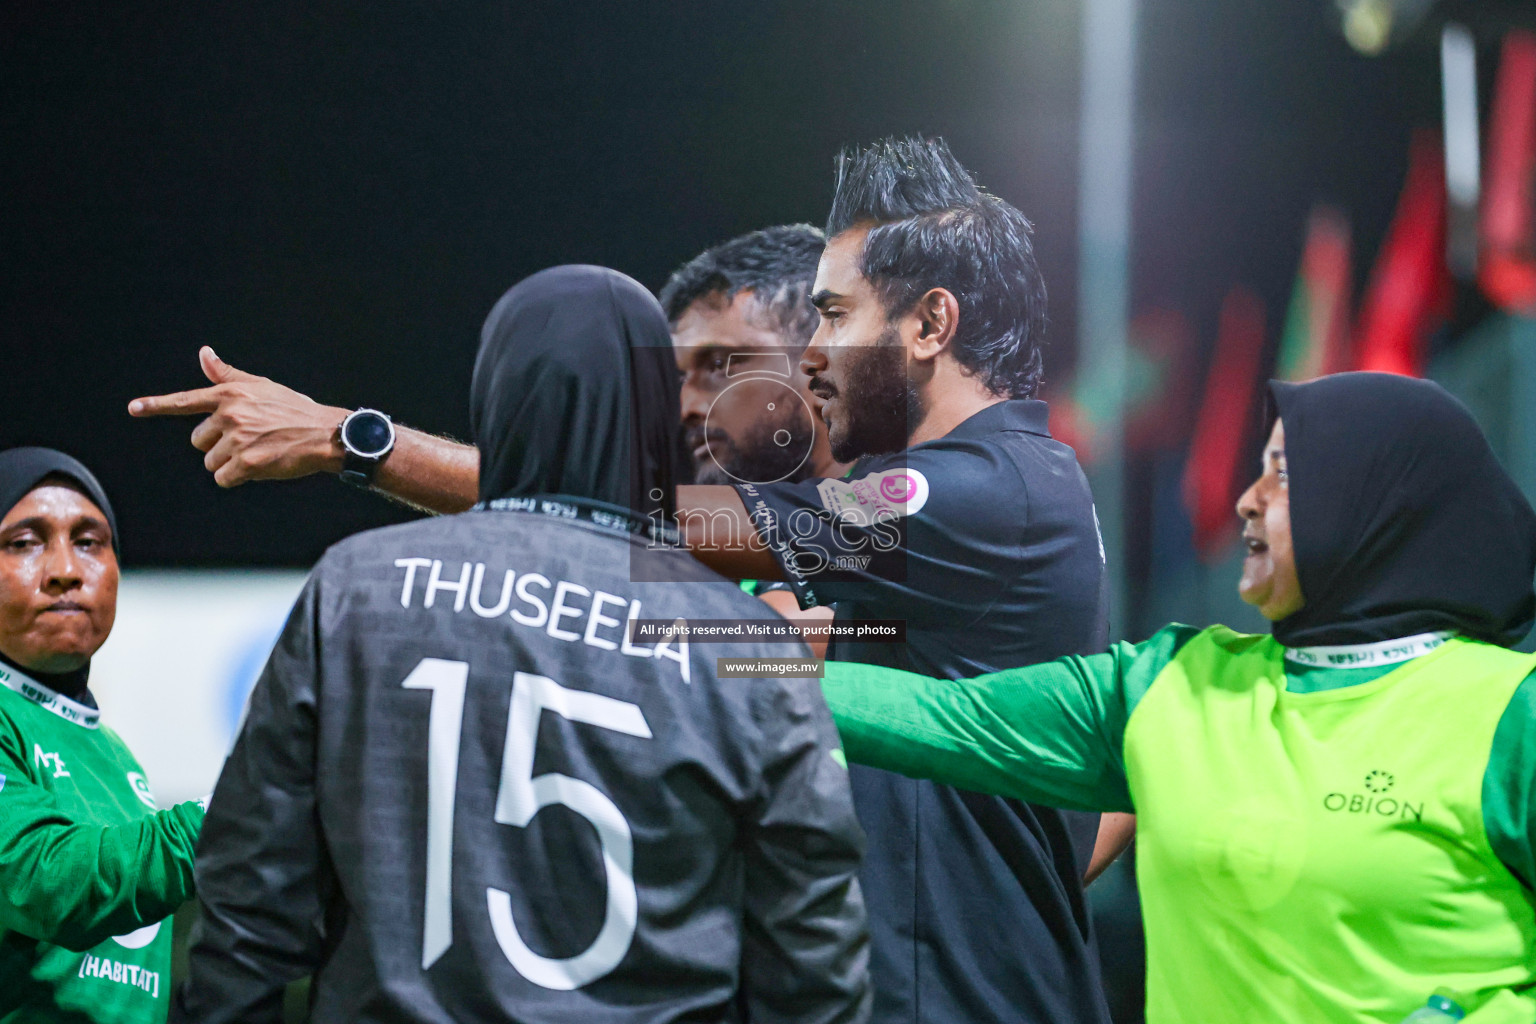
(256, 429)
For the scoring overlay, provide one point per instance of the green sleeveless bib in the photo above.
(1322, 855)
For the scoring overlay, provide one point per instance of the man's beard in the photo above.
(880, 406)
(755, 458)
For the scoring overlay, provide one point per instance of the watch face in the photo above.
(367, 433)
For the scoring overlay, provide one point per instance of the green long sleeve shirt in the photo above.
(89, 869)
(1327, 836)
(1055, 733)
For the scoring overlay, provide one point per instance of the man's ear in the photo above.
(938, 315)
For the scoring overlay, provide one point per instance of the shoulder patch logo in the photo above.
(888, 494)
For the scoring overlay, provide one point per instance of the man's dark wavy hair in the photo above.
(934, 227)
(777, 265)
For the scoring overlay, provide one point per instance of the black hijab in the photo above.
(21, 470)
(1402, 519)
(575, 392)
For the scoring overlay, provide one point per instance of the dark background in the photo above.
(335, 194)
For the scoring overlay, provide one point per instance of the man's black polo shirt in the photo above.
(986, 543)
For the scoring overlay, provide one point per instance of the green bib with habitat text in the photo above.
(1323, 855)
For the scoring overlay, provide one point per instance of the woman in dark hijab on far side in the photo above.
(1336, 823)
(88, 867)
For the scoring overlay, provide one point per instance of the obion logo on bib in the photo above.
(1377, 796)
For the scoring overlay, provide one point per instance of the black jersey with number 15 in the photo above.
(462, 795)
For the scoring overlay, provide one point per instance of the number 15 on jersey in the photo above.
(520, 796)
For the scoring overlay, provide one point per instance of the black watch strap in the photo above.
(359, 472)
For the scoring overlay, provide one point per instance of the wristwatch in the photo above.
(367, 437)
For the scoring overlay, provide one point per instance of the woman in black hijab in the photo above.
(1404, 520)
(574, 407)
(63, 663)
(88, 867)
(544, 422)
(1336, 820)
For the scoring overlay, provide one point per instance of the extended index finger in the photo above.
(181, 403)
